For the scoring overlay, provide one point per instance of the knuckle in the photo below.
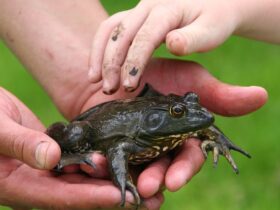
(142, 38)
(113, 20)
(104, 24)
(110, 68)
(8, 107)
(171, 12)
(21, 146)
(143, 43)
(17, 146)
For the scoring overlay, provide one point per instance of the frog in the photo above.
(139, 130)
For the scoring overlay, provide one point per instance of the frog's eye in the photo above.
(177, 110)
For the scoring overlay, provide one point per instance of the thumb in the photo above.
(30, 146)
(202, 35)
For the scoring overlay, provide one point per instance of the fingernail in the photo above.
(108, 92)
(127, 85)
(41, 154)
(107, 87)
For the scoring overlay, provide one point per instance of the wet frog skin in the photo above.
(134, 131)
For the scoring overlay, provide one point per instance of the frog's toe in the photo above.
(209, 145)
(88, 162)
(131, 187)
(70, 159)
(58, 167)
(219, 148)
(219, 144)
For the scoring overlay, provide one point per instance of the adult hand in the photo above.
(59, 62)
(24, 148)
(62, 71)
(174, 76)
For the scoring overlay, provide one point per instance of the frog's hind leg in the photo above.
(218, 143)
(70, 159)
(117, 156)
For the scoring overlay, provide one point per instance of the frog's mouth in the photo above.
(199, 119)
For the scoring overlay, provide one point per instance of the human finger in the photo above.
(149, 36)
(99, 44)
(26, 144)
(64, 195)
(185, 165)
(101, 170)
(117, 47)
(219, 97)
(32, 147)
(69, 191)
(203, 34)
(152, 178)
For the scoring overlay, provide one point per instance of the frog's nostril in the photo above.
(211, 117)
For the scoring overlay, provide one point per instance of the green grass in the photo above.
(238, 61)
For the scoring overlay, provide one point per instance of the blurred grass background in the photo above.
(238, 61)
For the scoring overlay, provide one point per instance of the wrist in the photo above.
(242, 14)
(259, 20)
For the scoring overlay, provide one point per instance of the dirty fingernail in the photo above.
(107, 88)
(126, 83)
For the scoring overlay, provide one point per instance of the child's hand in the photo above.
(125, 42)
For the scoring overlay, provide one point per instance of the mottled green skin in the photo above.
(137, 130)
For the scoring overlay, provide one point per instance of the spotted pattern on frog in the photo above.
(162, 146)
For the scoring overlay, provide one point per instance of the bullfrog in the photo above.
(138, 130)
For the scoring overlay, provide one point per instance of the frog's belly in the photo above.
(161, 147)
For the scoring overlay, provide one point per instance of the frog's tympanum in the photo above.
(134, 131)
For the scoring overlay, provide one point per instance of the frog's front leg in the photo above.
(117, 156)
(70, 159)
(214, 140)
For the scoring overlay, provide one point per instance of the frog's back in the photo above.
(119, 118)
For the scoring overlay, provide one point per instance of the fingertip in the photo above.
(148, 187)
(185, 165)
(53, 156)
(236, 100)
(93, 75)
(261, 94)
(152, 178)
(131, 84)
(176, 43)
(257, 97)
(174, 181)
(47, 155)
(110, 86)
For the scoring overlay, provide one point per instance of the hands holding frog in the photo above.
(20, 181)
(62, 71)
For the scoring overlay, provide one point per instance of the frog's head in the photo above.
(72, 137)
(177, 115)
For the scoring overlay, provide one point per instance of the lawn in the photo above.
(238, 61)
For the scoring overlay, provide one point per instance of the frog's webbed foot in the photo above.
(218, 143)
(118, 163)
(70, 159)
